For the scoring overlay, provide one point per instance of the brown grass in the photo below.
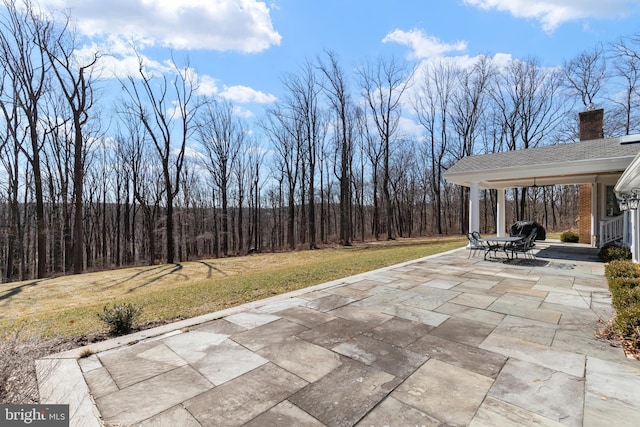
(68, 306)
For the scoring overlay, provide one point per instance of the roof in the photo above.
(630, 179)
(571, 163)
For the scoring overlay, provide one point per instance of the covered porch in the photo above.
(594, 165)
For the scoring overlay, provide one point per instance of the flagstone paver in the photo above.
(431, 391)
(494, 412)
(308, 361)
(399, 332)
(527, 330)
(271, 333)
(386, 357)
(392, 412)
(463, 330)
(175, 416)
(461, 355)
(441, 341)
(239, 401)
(345, 395)
(551, 394)
(284, 414)
(145, 399)
(306, 316)
(132, 365)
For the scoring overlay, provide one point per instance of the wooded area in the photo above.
(165, 174)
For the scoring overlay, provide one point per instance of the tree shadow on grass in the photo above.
(176, 267)
(9, 293)
(211, 269)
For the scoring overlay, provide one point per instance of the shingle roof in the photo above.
(608, 148)
(571, 163)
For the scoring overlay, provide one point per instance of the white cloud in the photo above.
(553, 13)
(410, 128)
(423, 45)
(241, 25)
(193, 153)
(207, 85)
(119, 60)
(245, 94)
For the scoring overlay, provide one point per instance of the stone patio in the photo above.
(440, 341)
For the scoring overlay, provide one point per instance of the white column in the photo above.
(594, 214)
(501, 218)
(474, 207)
(635, 247)
(625, 229)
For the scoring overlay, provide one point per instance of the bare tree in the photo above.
(23, 30)
(432, 105)
(469, 104)
(161, 108)
(281, 129)
(585, 73)
(146, 182)
(302, 100)
(374, 150)
(76, 80)
(222, 138)
(335, 86)
(58, 163)
(531, 108)
(11, 141)
(625, 55)
(383, 85)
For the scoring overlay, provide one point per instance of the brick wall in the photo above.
(584, 213)
(591, 127)
(591, 123)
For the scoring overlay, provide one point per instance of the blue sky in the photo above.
(242, 48)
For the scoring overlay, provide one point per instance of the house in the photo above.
(595, 164)
(627, 190)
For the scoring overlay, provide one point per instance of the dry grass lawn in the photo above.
(68, 306)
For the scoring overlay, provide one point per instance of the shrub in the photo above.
(569, 236)
(120, 317)
(624, 297)
(610, 253)
(627, 324)
(623, 278)
(616, 283)
(621, 268)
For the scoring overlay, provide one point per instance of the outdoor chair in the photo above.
(524, 246)
(475, 244)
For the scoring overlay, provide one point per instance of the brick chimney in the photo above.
(591, 127)
(591, 124)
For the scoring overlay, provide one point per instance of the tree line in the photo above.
(166, 174)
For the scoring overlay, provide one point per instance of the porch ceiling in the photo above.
(575, 163)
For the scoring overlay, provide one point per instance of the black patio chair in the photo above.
(524, 246)
(475, 244)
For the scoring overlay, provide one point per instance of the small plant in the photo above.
(621, 268)
(86, 353)
(569, 236)
(120, 317)
(610, 253)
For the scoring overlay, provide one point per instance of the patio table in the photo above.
(499, 243)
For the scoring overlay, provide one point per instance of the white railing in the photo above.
(611, 230)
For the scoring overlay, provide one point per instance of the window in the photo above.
(612, 202)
